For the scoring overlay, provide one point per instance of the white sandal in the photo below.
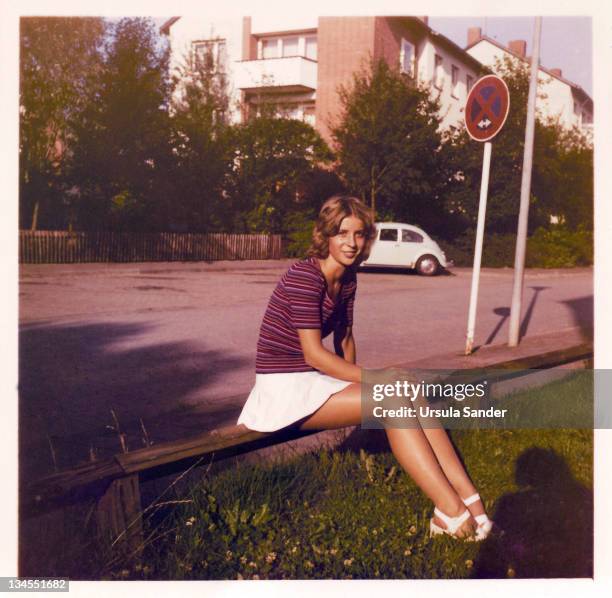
(485, 525)
(452, 524)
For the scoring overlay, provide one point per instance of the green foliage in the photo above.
(389, 145)
(200, 140)
(59, 60)
(497, 250)
(274, 158)
(123, 139)
(560, 247)
(552, 247)
(299, 233)
(562, 173)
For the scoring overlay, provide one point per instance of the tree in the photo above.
(200, 142)
(561, 175)
(59, 57)
(274, 159)
(124, 150)
(389, 144)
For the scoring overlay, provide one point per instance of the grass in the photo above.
(352, 514)
(346, 515)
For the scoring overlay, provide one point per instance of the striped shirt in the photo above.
(300, 300)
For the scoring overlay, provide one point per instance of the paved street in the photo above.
(145, 339)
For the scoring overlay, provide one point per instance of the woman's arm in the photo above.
(318, 357)
(344, 343)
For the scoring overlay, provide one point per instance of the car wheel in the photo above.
(428, 265)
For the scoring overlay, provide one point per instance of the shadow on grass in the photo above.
(546, 526)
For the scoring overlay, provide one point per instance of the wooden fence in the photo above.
(61, 247)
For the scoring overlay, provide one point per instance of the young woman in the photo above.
(299, 382)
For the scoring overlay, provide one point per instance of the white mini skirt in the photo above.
(279, 400)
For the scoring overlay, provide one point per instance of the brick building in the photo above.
(299, 66)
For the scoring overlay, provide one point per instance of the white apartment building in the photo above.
(299, 65)
(562, 99)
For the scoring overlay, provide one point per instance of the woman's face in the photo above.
(348, 244)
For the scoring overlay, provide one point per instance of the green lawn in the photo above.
(346, 515)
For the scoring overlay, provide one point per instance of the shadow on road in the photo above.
(582, 312)
(581, 308)
(547, 526)
(504, 313)
(70, 377)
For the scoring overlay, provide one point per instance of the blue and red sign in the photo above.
(487, 108)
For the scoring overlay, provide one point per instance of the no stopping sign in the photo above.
(487, 108)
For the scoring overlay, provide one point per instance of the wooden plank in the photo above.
(119, 516)
(203, 444)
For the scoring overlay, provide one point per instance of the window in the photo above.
(311, 47)
(438, 72)
(290, 46)
(469, 82)
(269, 48)
(211, 54)
(407, 56)
(388, 234)
(309, 115)
(410, 236)
(454, 81)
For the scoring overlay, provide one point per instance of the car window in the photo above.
(388, 234)
(410, 236)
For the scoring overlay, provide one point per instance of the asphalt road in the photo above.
(148, 339)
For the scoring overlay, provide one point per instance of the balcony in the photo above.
(290, 74)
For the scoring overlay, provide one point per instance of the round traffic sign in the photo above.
(487, 107)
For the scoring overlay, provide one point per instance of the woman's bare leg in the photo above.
(449, 461)
(410, 447)
(452, 467)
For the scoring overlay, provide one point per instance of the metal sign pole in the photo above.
(482, 209)
(521, 238)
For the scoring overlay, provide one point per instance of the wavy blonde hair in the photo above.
(331, 215)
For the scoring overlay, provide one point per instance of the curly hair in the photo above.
(331, 215)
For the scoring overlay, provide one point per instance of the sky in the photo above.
(565, 42)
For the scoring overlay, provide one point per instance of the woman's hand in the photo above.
(318, 357)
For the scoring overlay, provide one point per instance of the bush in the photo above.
(554, 247)
(299, 226)
(498, 250)
(559, 247)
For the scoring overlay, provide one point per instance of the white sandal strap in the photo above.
(452, 523)
(481, 519)
(471, 499)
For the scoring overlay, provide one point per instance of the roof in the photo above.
(579, 90)
(448, 43)
(399, 225)
(165, 28)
